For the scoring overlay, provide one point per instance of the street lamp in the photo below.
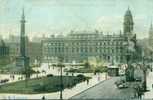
(129, 50)
(61, 77)
(144, 69)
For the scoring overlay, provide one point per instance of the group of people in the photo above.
(138, 92)
(12, 77)
(4, 80)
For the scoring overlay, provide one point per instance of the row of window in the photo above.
(86, 50)
(84, 43)
(106, 57)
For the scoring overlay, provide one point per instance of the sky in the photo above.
(61, 16)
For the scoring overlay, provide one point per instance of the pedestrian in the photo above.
(21, 78)
(135, 92)
(43, 98)
(98, 77)
(87, 81)
(13, 77)
(18, 78)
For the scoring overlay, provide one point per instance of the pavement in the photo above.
(106, 90)
(149, 94)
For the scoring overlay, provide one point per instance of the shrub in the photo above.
(50, 75)
(81, 77)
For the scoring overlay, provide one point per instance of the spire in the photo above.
(151, 35)
(23, 16)
(120, 32)
(22, 34)
(128, 8)
(151, 29)
(151, 25)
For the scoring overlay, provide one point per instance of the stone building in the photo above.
(34, 51)
(4, 50)
(151, 36)
(79, 46)
(4, 54)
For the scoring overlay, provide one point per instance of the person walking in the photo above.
(43, 98)
(87, 81)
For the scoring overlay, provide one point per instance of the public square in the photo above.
(76, 49)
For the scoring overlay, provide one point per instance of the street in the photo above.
(106, 90)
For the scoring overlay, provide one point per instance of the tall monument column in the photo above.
(22, 61)
(22, 36)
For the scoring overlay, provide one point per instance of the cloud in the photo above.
(109, 23)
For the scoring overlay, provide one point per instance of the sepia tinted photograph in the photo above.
(76, 49)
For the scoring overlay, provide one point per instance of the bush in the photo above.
(101, 69)
(50, 75)
(81, 77)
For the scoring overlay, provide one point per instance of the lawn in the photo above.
(41, 85)
(80, 70)
(88, 70)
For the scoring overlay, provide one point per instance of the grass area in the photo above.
(88, 70)
(80, 70)
(42, 85)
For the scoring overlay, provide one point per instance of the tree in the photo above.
(96, 64)
(87, 65)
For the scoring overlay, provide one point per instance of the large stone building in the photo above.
(4, 50)
(4, 54)
(79, 46)
(151, 36)
(33, 48)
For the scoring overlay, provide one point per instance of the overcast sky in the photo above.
(61, 16)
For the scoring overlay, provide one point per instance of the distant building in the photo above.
(33, 48)
(151, 36)
(4, 50)
(113, 71)
(79, 46)
(34, 51)
(4, 54)
(14, 45)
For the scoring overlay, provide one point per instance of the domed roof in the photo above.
(128, 16)
(128, 12)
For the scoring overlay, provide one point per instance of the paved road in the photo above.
(106, 90)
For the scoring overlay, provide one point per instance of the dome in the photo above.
(128, 22)
(128, 12)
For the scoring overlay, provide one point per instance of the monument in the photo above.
(22, 61)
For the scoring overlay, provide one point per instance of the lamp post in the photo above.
(144, 68)
(61, 78)
(129, 59)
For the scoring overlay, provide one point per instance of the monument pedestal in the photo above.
(22, 64)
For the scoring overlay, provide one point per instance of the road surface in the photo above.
(106, 90)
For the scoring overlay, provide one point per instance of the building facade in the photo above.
(4, 54)
(151, 36)
(79, 46)
(4, 50)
